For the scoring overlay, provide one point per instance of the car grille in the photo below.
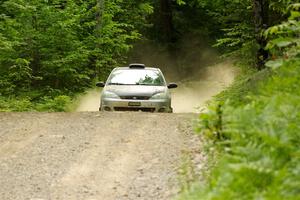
(125, 109)
(135, 97)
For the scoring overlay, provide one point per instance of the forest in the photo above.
(53, 50)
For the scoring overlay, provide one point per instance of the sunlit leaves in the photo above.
(180, 2)
(274, 63)
(67, 42)
(284, 41)
(280, 43)
(146, 8)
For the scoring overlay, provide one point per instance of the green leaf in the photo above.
(180, 2)
(146, 8)
(294, 15)
(274, 64)
(274, 29)
(283, 42)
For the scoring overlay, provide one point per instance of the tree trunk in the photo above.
(166, 21)
(261, 22)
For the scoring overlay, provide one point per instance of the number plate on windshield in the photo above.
(134, 104)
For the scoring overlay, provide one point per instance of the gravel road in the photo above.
(92, 155)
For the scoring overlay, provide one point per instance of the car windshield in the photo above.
(136, 77)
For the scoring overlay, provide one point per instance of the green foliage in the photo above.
(284, 41)
(260, 142)
(58, 104)
(257, 136)
(239, 36)
(64, 45)
(212, 122)
(25, 103)
(246, 84)
(12, 104)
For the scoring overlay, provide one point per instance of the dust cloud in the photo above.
(192, 94)
(192, 64)
(90, 101)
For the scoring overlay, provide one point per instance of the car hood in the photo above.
(135, 90)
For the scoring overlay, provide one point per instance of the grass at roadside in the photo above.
(31, 103)
(255, 128)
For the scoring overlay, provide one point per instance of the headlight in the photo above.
(159, 96)
(112, 95)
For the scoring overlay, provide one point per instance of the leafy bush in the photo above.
(260, 142)
(57, 104)
(284, 41)
(259, 136)
(67, 43)
(20, 104)
(9, 104)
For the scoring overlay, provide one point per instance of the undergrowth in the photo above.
(259, 142)
(31, 103)
(255, 128)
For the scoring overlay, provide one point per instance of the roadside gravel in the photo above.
(92, 155)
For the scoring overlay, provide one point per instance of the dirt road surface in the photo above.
(92, 156)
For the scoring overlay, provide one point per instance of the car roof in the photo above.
(137, 66)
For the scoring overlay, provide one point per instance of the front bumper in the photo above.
(159, 105)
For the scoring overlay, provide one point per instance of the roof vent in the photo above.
(137, 66)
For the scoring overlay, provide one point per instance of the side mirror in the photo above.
(100, 84)
(172, 85)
